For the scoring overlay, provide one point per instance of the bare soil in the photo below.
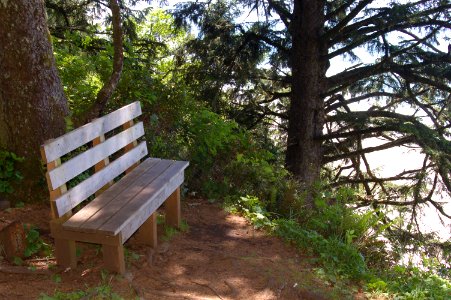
(220, 256)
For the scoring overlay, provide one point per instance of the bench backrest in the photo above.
(97, 156)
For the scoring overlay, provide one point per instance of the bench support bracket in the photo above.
(113, 257)
(173, 210)
(65, 253)
(147, 233)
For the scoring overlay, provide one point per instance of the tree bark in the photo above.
(32, 100)
(306, 112)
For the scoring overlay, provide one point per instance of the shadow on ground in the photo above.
(219, 257)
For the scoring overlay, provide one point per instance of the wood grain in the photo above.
(129, 226)
(89, 186)
(64, 144)
(147, 233)
(173, 209)
(102, 208)
(90, 157)
(119, 201)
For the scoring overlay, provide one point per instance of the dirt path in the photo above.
(219, 257)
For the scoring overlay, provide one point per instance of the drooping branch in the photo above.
(384, 22)
(399, 142)
(349, 17)
(333, 106)
(373, 180)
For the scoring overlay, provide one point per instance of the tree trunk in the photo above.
(32, 100)
(306, 112)
(104, 95)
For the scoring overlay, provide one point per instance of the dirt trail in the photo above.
(219, 257)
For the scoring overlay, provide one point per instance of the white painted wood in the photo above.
(90, 157)
(127, 214)
(64, 144)
(106, 206)
(89, 186)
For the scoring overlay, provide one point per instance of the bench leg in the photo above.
(147, 233)
(113, 257)
(65, 253)
(173, 210)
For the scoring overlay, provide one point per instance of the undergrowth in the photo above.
(335, 236)
(103, 291)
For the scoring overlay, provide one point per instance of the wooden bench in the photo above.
(120, 208)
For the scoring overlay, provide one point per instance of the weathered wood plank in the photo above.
(126, 214)
(65, 253)
(90, 157)
(131, 145)
(113, 257)
(117, 190)
(89, 186)
(147, 233)
(161, 187)
(64, 144)
(129, 226)
(101, 164)
(173, 209)
(54, 194)
(58, 232)
(120, 201)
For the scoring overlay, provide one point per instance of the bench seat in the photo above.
(126, 205)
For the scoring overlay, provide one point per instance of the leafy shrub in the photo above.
(254, 172)
(100, 292)
(8, 170)
(253, 210)
(408, 282)
(35, 244)
(335, 256)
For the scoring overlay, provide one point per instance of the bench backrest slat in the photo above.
(64, 144)
(83, 190)
(85, 160)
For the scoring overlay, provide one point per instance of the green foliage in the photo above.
(35, 244)
(184, 227)
(212, 142)
(102, 291)
(255, 171)
(8, 170)
(56, 278)
(82, 75)
(408, 282)
(17, 261)
(340, 259)
(252, 209)
(338, 238)
(170, 232)
(337, 257)
(99, 292)
(130, 255)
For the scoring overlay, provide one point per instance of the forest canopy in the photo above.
(279, 106)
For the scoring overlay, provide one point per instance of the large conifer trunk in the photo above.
(306, 112)
(32, 100)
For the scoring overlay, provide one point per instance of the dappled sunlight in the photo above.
(222, 256)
